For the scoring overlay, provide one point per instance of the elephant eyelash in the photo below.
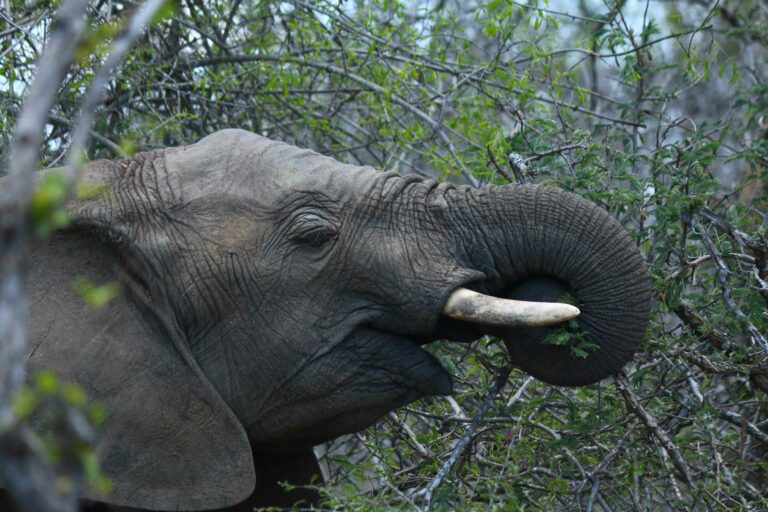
(317, 236)
(314, 232)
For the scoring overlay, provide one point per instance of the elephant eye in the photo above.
(313, 231)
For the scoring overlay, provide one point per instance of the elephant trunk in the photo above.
(543, 244)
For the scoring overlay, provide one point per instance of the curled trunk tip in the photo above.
(553, 244)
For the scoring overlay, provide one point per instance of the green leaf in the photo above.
(734, 74)
(165, 12)
(46, 383)
(46, 206)
(97, 296)
(73, 394)
(24, 403)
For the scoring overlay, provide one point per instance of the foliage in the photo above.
(656, 113)
(46, 210)
(67, 419)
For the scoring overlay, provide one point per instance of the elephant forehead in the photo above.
(248, 165)
(277, 178)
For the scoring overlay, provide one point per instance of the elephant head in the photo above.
(276, 298)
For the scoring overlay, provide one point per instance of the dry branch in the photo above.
(24, 466)
(651, 424)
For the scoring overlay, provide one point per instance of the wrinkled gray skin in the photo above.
(275, 298)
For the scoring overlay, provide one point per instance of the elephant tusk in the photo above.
(475, 307)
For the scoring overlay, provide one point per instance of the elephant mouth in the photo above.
(382, 364)
(466, 316)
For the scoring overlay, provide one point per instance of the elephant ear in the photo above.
(169, 441)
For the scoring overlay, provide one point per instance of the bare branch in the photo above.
(651, 424)
(17, 192)
(458, 447)
(95, 95)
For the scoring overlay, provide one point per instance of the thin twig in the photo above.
(723, 275)
(651, 424)
(17, 192)
(752, 429)
(23, 468)
(411, 438)
(96, 92)
(496, 165)
(458, 447)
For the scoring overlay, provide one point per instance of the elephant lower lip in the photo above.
(451, 329)
(403, 355)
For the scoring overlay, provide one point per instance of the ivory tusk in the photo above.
(477, 308)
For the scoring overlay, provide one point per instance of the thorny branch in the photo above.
(23, 467)
(651, 424)
(723, 274)
(24, 463)
(458, 447)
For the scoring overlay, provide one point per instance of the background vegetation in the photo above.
(654, 110)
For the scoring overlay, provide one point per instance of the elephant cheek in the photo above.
(408, 371)
(348, 389)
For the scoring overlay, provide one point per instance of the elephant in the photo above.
(274, 298)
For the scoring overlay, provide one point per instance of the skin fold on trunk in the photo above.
(546, 245)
